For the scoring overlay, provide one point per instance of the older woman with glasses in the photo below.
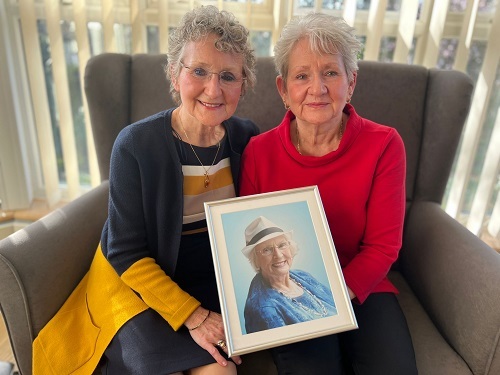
(162, 170)
(278, 295)
(158, 309)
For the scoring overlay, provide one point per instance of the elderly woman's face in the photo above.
(274, 258)
(317, 85)
(210, 98)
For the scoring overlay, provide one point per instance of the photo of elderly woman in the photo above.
(280, 295)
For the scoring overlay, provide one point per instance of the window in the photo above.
(259, 16)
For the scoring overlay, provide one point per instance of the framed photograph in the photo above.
(278, 274)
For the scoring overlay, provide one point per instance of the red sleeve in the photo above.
(382, 238)
(248, 171)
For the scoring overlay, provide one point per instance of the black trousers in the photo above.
(380, 346)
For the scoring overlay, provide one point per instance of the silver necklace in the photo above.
(207, 177)
(322, 313)
(341, 133)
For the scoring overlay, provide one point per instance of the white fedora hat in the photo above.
(260, 230)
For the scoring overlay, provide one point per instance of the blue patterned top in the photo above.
(267, 308)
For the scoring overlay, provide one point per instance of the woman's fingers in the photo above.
(222, 344)
(210, 336)
(237, 359)
(209, 345)
(215, 353)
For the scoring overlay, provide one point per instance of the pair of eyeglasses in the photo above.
(269, 250)
(226, 79)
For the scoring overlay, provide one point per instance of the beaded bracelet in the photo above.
(203, 321)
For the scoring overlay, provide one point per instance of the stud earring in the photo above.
(287, 107)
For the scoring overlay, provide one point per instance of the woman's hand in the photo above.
(207, 331)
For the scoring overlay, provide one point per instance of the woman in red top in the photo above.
(359, 167)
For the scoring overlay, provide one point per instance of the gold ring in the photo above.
(221, 344)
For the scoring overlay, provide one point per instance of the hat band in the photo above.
(264, 233)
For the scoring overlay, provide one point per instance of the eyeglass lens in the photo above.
(282, 246)
(225, 77)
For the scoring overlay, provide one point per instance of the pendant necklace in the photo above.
(207, 177)
(341, 133)
(322, 313)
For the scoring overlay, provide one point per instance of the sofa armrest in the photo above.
(41, 264)
(456, 277)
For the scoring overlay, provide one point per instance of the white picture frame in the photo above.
(299, 210)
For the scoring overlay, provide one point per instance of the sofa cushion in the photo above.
(434, 355)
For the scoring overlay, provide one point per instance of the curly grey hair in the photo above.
(294, 249)
(326, 34)
(197, 24)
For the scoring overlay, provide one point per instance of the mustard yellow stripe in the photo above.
(194, 185)
(194, 231)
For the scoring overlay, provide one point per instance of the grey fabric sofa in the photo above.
(449, 280)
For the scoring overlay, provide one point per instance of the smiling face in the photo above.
(206, 100)
(317, 86)
(274, 259)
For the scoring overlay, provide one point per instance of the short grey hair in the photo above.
(198, 24)
(294, 249)
(326, 34)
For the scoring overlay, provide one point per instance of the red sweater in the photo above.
(362, 187)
